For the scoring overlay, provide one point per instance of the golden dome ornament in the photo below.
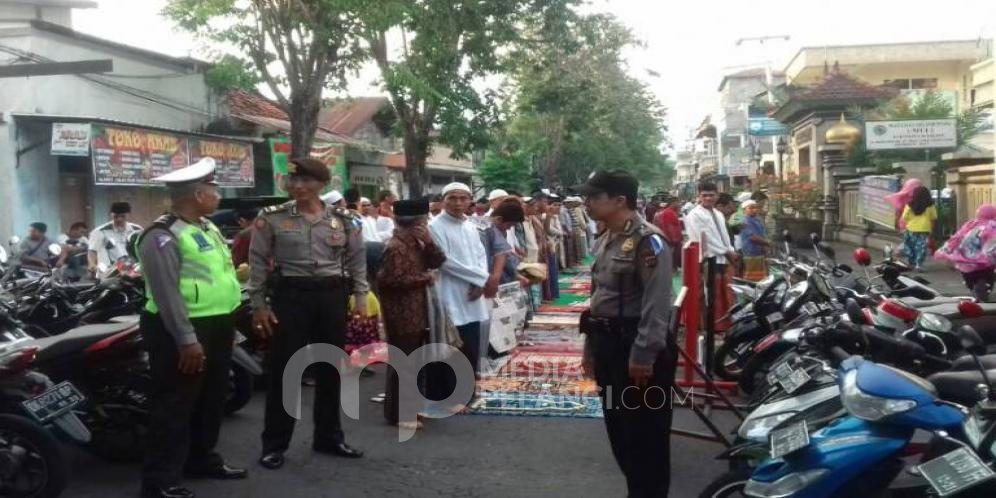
(843, 133)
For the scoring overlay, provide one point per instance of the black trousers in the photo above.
(638, 420)
(185, 410)
(306, 316)
(442, 380)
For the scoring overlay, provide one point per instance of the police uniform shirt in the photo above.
(329, 246)
(102, 237)
(635, 266)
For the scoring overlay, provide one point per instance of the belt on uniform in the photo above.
(312, 283)
(595, 324)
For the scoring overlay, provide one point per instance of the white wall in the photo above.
(31, 185)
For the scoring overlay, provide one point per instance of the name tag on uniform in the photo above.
(203, 244)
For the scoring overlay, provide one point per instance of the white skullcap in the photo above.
(573, 198)
(743, 196)
(364, 199)
(332, 197)
(748, 203)
(456, 186)
(497, 194)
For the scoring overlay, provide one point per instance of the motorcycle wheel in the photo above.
(240, 390)
(728, 485)
(725, 363)
(32, 463)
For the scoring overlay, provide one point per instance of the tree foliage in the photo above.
(433, 56)
(297, 47)
(576, 109)
(509, 171)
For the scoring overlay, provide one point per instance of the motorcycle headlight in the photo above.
(758, 429)
(866, 406)
(784, 487)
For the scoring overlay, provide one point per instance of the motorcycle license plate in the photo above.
(789, 440)
(54, 402)
(955, 471)
(793, 381)
(775, 318)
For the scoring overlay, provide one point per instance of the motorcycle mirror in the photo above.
(854, 311)
(54, 249)
(3, 255)
(862, 257)
(970, 340)
(786, 236)
(970, 309)
(827, 249)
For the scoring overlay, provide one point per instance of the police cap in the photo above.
(306, 166)
(612, 182)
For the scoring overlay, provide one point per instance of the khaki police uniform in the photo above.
(304, 270)
(628, 321)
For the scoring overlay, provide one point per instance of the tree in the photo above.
(444, 50)
(509, 171)
(577, 109)
(297, 47)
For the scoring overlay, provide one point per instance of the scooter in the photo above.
(862, 454)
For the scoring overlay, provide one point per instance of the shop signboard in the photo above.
(333, 155)
(234, 160)
(872, 206)
(760, 125)
(911, 134)
(134, 156)
(70, 139)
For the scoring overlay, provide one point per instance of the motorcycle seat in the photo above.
(926, 303)
(960, 387)
(76, 340)
(967, 363)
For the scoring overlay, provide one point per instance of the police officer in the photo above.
(628, 347)
(318, 259)
(109, 242)
(188, 330)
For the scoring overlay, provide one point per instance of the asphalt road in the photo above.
(461, 456)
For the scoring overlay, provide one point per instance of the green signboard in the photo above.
(333, 155)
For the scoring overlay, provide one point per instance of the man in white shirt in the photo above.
(109, 242)
(385, 214)
(463, 278)
(705, 219)
(369, 212)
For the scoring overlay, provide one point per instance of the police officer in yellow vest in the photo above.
(188, 330)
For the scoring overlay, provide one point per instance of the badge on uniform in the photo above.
(288, 225)
(202, 242)
(336, 224)
(628, 245)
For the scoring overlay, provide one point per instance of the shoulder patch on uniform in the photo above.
(278, 208)
(165, 220)
(345, 213)
(162, 240)
(656, 244)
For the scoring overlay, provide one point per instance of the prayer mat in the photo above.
(543, 365)
(551, 347)
(571, 387)
(523, 404)
(567, 333)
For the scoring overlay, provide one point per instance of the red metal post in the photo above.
(692, 279)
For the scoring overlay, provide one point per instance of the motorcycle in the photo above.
(862, 453)
(35, 415)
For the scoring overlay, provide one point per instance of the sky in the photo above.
(691, 44)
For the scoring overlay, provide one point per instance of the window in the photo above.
(901, 84)
(924, 83)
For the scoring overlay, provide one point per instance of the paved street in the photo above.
(463, 456)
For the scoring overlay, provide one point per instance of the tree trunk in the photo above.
(416, 152)
(304, 121)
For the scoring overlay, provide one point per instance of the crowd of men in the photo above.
(434, 264)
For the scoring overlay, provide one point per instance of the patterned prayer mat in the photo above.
(541, 405)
